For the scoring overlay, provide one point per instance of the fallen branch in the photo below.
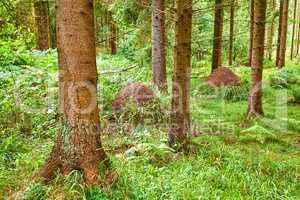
(118, 71)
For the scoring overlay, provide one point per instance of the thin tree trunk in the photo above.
(298, 40)
(78, 145)
(251, 33)
(101, 30)
(218, 32)
(294, 29)
(113, 34)
(159, 45)
(52, 24)
(270, 32)
(231, 39)
(279, 31)
(255, 99)
(282, 33)
(180, 113)
(41, 15)
(107, 41)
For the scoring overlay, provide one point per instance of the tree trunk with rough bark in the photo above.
(255, 99)
(250, 51)
(180, 113)
(270, 31)
(113, 34)
(231, 39)
(294, 29)
(159, 73)
(282, 33)
(42, 24)
(218, 33)
(78, 145)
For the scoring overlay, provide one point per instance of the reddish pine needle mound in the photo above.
(137, 92)
(223, 76)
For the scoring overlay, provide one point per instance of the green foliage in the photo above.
(22, 37)
(231, 157)
(158, 155)
(224, 163)
(11, 54)
(284, 78)
(296, 93)
(205, 89)
(256, 133)
(149, 113)
(235, 93)
(35, 192)
(268, 64)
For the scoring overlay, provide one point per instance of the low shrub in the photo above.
(232, 93)
(151, 112)
(235, 93)
(284, 78)
(35, 192)
(296, 94)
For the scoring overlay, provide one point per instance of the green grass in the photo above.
(232, 157)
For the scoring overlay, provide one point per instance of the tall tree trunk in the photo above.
(159, 45)
(180, 113)
(24, 14)
(255, 99)
(41, 14)
(106, 30)
(279, 31)
(52, 19)
(250, 51)
(282, 33)
(113, 34)
(78, 145)
(100, 28)
(270, 31)
(231, 39)
(298, 37)
(294, 29)
(218, 33)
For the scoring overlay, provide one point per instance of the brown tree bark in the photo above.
(231, 37)
(298, 37)
(282, 33)
(271, 29)
(78, 145)
(159, 73)
(41, 15)
(294, 29)
(279, 31)
(255, 99)
(24, 14)
(113, 34)
(218, 33)
(52, 14)
(105, 31)
(180, 113)
(250, 51)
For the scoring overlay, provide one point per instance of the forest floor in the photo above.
(230, 156)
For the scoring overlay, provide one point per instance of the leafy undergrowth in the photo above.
(229, 157)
